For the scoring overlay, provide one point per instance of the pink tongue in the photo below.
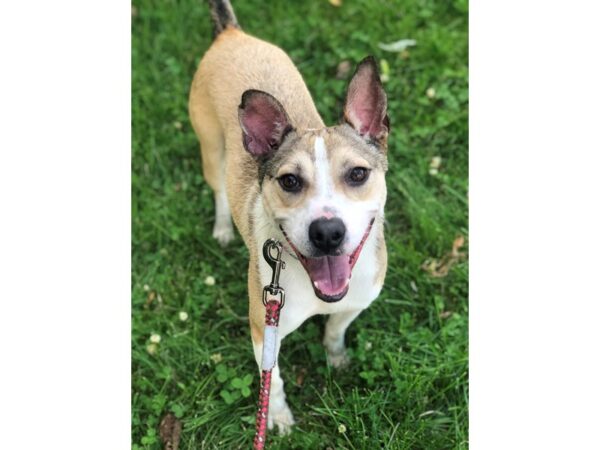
(330, 273)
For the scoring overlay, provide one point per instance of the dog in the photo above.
(281, 173)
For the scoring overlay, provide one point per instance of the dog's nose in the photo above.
(327, 234)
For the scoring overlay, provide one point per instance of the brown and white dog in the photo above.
(281, 173)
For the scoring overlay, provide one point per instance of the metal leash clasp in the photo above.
(272, 251)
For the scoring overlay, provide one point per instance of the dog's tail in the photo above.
(222, 15)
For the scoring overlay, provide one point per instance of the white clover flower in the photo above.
(155, 338)
(146, 288)
(368, 345)
(183, 316)
(342, 428)
(151, 348)
(216, 358)
(435, 162)
(209, 280)
(430, 92)
(433, 171)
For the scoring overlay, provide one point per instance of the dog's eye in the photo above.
(290, 183)
(357, 176)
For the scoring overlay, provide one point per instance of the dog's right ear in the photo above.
(264, 123)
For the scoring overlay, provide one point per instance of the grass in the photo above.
(407, 387)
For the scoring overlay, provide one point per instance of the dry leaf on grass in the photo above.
(343, 69)
(301, 375)
(150, 299)
(439, 268)
(398, 46)
(170, 432)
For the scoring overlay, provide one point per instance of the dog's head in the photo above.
(323, 188)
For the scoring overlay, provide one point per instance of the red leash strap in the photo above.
(271, 320)
(269, 353)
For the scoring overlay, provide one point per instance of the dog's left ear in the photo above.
(366, 103)
(264, 123)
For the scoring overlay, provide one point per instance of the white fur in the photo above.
(223, 228)
(323, 176)
(301, 301)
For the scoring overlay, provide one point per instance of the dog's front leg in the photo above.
(279, 411)
(335, 331)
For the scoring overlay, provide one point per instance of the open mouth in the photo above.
(330, 274)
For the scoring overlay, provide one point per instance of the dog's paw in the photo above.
(223, 234)
(338, 360)
(283, 418)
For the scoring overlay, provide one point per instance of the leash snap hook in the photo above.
(272, 251)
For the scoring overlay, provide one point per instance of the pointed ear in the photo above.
(264, 123)
(366, 103)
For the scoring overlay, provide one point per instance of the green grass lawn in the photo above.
(407, 385)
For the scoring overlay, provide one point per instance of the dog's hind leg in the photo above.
(212, 147)
(335, 331)
(223, 229)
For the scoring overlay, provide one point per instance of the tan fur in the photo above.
(235, 63)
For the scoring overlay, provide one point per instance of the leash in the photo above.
(273, 299)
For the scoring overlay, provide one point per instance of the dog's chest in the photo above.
(301, 301)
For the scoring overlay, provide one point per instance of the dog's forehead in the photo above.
(339, 142)
(342, 139)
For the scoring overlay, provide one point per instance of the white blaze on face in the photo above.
(323, 176)
(329, 203)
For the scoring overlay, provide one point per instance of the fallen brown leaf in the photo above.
(301, 375)
(457, 245)
(150, 299)
(343, 69)
(170, 432)
(440, 268)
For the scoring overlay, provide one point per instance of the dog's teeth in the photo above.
(316, 284)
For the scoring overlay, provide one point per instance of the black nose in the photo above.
(327, 234)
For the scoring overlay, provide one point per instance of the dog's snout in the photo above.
(327, 234)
